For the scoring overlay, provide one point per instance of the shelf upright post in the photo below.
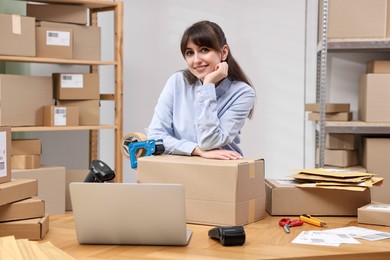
(322, 81)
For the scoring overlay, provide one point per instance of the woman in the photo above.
(201, 110)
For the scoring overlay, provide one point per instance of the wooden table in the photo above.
(264, 240)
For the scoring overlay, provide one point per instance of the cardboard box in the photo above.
(73, 176)
(51, 186)
(54, 42)
(33, 229)
(61, 116)
(341, 158)
(5, 151)
(89, 110)
(24, 209)
(15, 190)
(375, 214)
(340, 141)
(284, 199)
(62, 13)
(17, 35)
(26, 161)
(22, 99)
(374, 96)
(358, 19)
(26, 146)
(76, 86)
(218, 192)
(329, 107)
(375, 159)
(86, 40)
(378, 66)
(341, 116)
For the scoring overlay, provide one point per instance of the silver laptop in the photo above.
(129, 213)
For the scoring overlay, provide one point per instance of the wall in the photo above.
(268, 38)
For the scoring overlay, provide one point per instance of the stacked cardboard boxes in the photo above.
(22, 215)
(341, 150)
(333, 111)
(26, 153)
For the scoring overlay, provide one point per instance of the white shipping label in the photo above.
(379, 207)
(3, 154)
(72, 80)
(58, 38)
(59, 116)
(16, 24)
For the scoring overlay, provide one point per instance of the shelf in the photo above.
(95, 4)
(55, 60)
(372, 44)
(60, 128)
(357, 127)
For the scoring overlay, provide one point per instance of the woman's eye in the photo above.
(189, 53)
(205, 50)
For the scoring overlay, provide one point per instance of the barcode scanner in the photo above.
(99, 172)
(228, 236)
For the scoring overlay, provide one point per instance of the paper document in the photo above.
(323, 238)
(363, 233)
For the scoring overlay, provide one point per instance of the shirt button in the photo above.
(199, 93)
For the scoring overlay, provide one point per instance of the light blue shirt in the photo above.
(187, 115)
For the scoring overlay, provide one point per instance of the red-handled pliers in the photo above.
(286, 223)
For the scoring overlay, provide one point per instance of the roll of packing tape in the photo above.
(132, 138)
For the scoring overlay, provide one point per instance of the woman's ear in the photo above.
(225, 52)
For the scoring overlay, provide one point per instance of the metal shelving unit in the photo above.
(341, 45)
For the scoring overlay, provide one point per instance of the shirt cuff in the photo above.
(205, 92)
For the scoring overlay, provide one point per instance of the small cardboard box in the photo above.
(26, 161)
(33, 229)
(15, 190)
(341, 158)
(329, 107)
(51, 186)
(60, 116)
(76, 86)
(358, 19)
(374, 96)
(54, 42)
(58, 13)
(23, 209)
(340, 116)
(340, 141)
(17, 35)
(73, 176)
(5, 151)
(89, 110)
(22, 99)
(26, 146)
(375, 214)
(378, 66)
(375, 158)
(86, 40)
(283, 198)
(218, 192)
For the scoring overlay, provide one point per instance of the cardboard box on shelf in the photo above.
(23, 98)
(16, 190)
(51, 186)
(375, 214)
(33, 229)
(26, 146)
(329, 107)
(376, 160)
(76, 86)
(341, 158)
(86, 40)
(89, 110)
(26, 161)
(54, 42)
(358, 19)
(23, 209)
(218, 192)
(73, 176)
(5, 151)
(62, 13)
(378, 66)
(17, 35)
(340, 116)
(340, 141)
(283, 198)
(61, 116)
(374, 98)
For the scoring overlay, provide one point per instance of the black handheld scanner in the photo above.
(228, 236)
